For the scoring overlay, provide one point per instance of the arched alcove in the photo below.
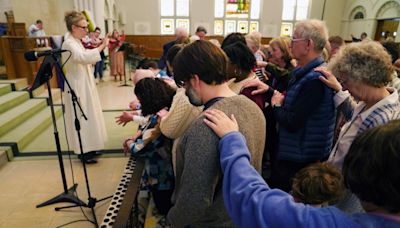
(390, 9)
(357, 13)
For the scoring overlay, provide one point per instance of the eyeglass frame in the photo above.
(342, 81)
(180, 84)
(293, 40)
(82, 27)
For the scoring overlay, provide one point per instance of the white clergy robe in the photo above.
(79, 73)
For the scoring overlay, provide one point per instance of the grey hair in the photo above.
(315, 30)
(254, 37)
(366, 62)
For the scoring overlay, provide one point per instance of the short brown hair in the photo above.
(337, 40)
(203, 59)
(73, 17)
(173, 51)
(370, 168)
(318, 183)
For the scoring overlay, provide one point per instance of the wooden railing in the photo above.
(153, 44)
(13, 49)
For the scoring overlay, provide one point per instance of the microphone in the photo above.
(34, 55)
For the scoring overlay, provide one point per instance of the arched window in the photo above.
(236, 16)
(174, 14)
(359, 15)
(293, 10)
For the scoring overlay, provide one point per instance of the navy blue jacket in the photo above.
(312, 140)
(162, 64)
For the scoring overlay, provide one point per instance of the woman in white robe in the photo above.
(79, 73)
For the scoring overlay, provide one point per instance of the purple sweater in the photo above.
(251, 203)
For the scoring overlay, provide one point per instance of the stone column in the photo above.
(98, 14)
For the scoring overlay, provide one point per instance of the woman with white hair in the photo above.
(253, 41)
(360, 72)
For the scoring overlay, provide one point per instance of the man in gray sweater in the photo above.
(198, 202)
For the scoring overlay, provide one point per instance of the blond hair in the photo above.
(255, 38)
(72, 18)
(283, 44)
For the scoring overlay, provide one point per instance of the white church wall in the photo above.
(331, 14)
(5, 5)
(143, 17)
(51, 12)
(271, 18)
(374, 10)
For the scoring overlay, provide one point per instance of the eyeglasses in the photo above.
(180, 84)
(342, 81)
(292, 40)
(82, 27)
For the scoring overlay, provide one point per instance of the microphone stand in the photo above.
(123, 49)
(91, 201)
(68, 194)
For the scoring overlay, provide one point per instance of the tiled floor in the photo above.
(24, 183)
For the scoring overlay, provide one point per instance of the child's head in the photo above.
(140, 74)
(317, 184)
(154, 94)
(147, 64)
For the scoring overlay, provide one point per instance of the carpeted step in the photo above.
(24, 133)
(16, 84)
(9, 152)
(10, 100)
(5, 88)
(44, 93)
(15, 116)
(3, 158)
(39, 90)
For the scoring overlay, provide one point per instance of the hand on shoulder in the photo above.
(220, 123)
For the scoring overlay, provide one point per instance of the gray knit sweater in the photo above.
(198, 200)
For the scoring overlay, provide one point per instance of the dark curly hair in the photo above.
(233, 38)
(370, 168)
(147, 64)
(241, 56)
(154, 94)
(393, 49)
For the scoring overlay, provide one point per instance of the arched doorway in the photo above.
(388, 18)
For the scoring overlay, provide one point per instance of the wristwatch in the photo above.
(276, 105)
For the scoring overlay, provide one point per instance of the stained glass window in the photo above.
(174, 14)
(236, 15)
(293, 10)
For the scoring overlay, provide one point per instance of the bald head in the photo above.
(181, 33)
(140, 74)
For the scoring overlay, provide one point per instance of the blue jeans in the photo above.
(98, 69)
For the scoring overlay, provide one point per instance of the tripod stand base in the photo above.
(64, 197)
(125, 84)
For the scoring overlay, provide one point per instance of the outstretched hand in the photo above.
(220, 123)
(329, 79)
(124, 118)
(261, 86)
